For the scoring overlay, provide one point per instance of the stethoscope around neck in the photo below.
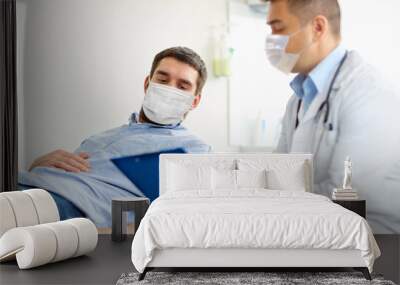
(326, 103)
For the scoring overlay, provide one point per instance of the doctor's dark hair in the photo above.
(185, 55)
(306, 10)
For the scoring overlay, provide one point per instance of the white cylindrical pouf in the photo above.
(7, 218)
(67, 240)
(87, 234)
(37, 245)
(23, 208)
(33, 246)
(45, 205)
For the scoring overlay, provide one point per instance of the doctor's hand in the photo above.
(64, 160)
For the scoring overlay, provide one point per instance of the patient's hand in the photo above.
(64, 160)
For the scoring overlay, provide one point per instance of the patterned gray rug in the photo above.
(268, 278)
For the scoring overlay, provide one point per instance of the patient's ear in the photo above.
(196, 101)
(146, 83)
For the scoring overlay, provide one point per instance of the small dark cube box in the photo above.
(119, 207)
(357, 206)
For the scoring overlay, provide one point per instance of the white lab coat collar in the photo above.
(305, 137)
(353, 60)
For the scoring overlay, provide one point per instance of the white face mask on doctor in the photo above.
(275, 49)
(166, 105)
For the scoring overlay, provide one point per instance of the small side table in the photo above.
(119, 209)
(356, 206)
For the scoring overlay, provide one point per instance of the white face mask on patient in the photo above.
(166, 105)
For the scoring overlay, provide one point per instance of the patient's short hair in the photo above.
(185, 55)
(306, 10)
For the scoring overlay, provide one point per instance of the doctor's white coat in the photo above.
(365, 116)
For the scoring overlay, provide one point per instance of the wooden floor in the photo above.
(110, 260)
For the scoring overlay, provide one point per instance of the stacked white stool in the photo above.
(31, 232)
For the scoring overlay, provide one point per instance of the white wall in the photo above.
(372, 28)
(85, 62)
(257, 98)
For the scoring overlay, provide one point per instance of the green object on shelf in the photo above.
(222, 67)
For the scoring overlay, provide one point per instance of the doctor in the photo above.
(340, 107)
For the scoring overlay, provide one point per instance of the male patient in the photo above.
(83, 183)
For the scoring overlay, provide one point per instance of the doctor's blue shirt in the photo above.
(92, 191)
(316, 83)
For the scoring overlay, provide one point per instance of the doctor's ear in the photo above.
(320, 26)
(196, 101)
(146, 83)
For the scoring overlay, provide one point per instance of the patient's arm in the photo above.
(64, 160)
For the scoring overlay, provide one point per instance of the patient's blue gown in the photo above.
(90, 193)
